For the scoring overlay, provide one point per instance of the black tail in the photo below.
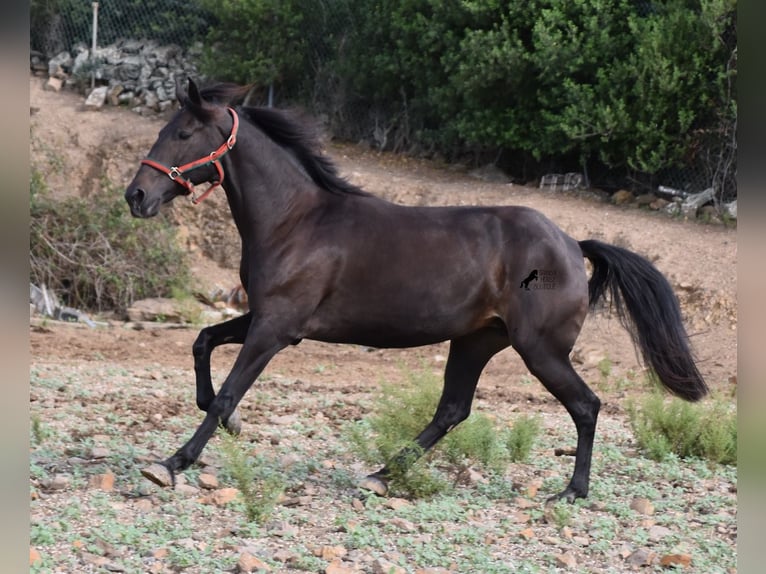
(648, 309)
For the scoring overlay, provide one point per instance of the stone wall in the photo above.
(138, 74)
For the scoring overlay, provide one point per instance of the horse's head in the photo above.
(185, 154)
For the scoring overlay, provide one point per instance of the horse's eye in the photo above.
(184, 134)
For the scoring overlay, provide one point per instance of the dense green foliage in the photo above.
(93, 254)
(634, 87)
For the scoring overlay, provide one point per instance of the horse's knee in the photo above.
(200, 347)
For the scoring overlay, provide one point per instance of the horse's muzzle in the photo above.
(139, 206)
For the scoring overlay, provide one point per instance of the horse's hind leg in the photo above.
(551, 365)
(467, 357)
(232, 331)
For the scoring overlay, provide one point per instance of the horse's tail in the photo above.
(648, 309)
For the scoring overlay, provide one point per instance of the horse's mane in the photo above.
(283, 127)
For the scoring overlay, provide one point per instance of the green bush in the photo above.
(259, 481)
(95, 256)
(664, 426)
(402, 411)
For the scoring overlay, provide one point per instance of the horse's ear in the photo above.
(181, 93)
(194, 95)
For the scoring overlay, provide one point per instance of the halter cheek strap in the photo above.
(177, 174)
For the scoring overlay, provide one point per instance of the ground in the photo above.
(147, 374)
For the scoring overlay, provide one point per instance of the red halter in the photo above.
(177, 173)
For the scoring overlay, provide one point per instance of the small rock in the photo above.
(143, 505)
(566, 532)
(97, 97)
(158, 474)
(59, 482)
(99, 452)
(397, 503)
(249, 563)
(330, 553)
(645, 199)
(34, 556)
(527, 534)
(207, 481)
(658, 204)
(357, 505)
(337, 566)
(403, 524)
(54, 84)
(221, 497)
(520, 517)
(657, 533)
(566, 560)
(641, 557)
(683, 560)
(642, 506)
(103, 482)
(531, 489)
(581, 540)
(622, 197)
(381, 566)
(436, 570)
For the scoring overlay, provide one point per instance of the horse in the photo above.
(323, 259)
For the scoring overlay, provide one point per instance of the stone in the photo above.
(403, 524)
(249, 563)
(337, 566)
(97, 97)
(330, 553)
(34, 556)
(54, 84)
(642, 506)
(566, 560)
(658, 204)
(645, 199)
(527, 534)
(397, 503)
(622, 197)
(104, 481)
(153, 309)
(382, 566)
(222, 496)
(683, 560)
(657, 533)
(641, 557)
(207, 481)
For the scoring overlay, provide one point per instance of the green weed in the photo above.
(664, 426)
(259, 482)
(401, 412)
(521, 438)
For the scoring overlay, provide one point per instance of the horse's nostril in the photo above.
(136, 196)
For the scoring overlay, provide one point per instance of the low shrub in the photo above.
(664, 426)
(95, 256)
(402, 411)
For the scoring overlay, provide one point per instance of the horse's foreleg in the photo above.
(257, 350)
(232, 331)
(467, 357)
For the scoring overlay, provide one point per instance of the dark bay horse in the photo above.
(324, 260)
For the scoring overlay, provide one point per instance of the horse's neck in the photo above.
(264, 196)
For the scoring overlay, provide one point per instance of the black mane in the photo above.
(303, 143)
(285, 130)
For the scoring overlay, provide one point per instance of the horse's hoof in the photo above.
(234, 423)
(159, 474)
(374, 484)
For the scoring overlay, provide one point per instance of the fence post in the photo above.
(93, 45)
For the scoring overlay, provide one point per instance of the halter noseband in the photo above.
(177, 173)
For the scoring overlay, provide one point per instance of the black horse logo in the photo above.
(531, 277)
